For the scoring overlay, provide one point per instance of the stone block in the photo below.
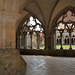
(11, 63)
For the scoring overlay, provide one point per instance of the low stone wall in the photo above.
(66, 53)
(32, 52)
(11, 63)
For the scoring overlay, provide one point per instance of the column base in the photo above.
(70, 48)
(61, 48)
(11, 63)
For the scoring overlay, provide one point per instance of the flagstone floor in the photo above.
(48, 65)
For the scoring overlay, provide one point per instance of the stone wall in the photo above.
(63, 53)
(11, 63)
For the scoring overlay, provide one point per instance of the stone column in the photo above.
(37, 40)
(25, 35)
(55, 40)
(70, 39)
(31, 38)
(22, 41)
(61, 40)
(18, 42)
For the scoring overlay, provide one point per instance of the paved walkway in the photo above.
(47, 65)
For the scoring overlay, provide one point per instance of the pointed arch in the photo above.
(25, 32)
(59, 15)
(64, 24)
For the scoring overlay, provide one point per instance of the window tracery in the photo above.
(65, 26)
(32, 34)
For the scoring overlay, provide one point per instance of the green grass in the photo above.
(40, 48)
(64, 46)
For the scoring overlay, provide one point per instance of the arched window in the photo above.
(58, 40)
(73, 40)
(32, 34)
(65, 26)
(66, 40)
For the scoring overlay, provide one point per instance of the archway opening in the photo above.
(65, 31)
(30, 35)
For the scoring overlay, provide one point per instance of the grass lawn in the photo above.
(42, 47)
(64, 46)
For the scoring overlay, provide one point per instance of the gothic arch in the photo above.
(25, 17)
(53, 25)
(60, 19)
(20, 27)
(35, 4)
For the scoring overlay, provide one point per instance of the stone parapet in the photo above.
(63, 53)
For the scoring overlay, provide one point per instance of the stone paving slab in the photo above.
(47, 65)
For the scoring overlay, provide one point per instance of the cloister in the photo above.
(35, 27)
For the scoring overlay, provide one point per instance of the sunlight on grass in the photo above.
(64, 46)
(42, 47)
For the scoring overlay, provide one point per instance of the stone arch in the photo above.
(62, 4)
(63, 12)
(21, 20)
(20, 27)
(59, 15)
(35, 6)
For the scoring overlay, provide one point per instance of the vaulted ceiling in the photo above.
(42, 9)
(45, 10)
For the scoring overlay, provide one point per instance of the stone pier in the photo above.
(11, 63)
